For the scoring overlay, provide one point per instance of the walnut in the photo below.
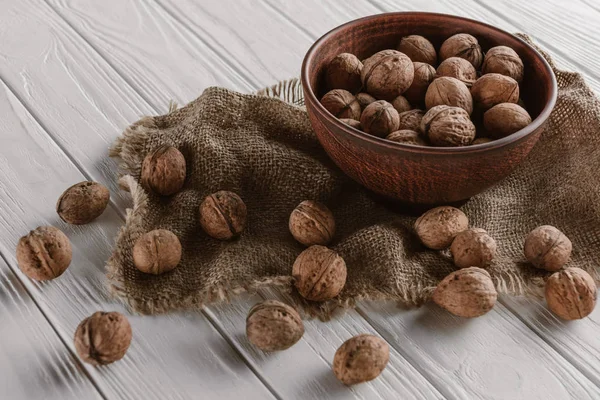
(82, 202)
(424, 75)
(492, 89)
(360, 359)
(438, 227)
(343, 72)
(380, 118)
(163, 171)
(418, 49)
(387, 74)
(401, 104)
(571, 293)
(103, 338)
(481, 140)
(352, 122)
(223, 215)
(273, 326)
(312, 223)
(157, 252)
(411, 120)
(365, 99)
(342, 104)
(459, 68)
(468, 292)
(450, 92)
(505, 119)
(547, 248)
(44, 253)
(448, 126)
(503, 60)
(464, 46)
(319, 273)
(473, 248)
(407, 136)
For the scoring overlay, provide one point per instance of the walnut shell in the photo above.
(411, 120)
(364, 99)
(380, 118)
(468, 292)
(503, 60)
(82, 202)
(312, 223)
(459, 68)
(571, 293)
(319, 273)
(163, 171)
(481, 140)
(44, 253)
(407, 136)
(473, 248)
(352, 122)
(342, 104)
(223, 215)
(103, 338)
(450, 92)
(343, 72)
(360, 359)
(424, 75)
(448, 126)
(547, 248)
(464, 46)
(273, 326)
(418, 49)
(438, 227)
(157, 252)
(505, 119)
(492, 89)
(401, 104)
(387, 74)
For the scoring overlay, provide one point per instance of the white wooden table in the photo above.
(74, 73)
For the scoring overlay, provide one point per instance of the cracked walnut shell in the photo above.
(468, 292)
(571, 293)
(448, 126)
(343, 72)
(319, 273)
(387, 74)
(380, 119)
(223, 215)
(342, 104)
(473, 248)
(44, 253)
(82, 202)
(103, 338)
(273, 326)
(163, 171)
(438, 227)
(157, 252)
(360, 359)
(312, 223)
(547, 248)
(450, 92)
(464, 46)
(503, 60)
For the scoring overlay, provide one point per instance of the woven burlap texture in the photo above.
(264, 149)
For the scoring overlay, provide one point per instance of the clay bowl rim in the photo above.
(529, 129)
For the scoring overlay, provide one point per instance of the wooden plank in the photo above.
(34, 362)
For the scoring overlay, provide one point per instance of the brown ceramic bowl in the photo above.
(422, 175)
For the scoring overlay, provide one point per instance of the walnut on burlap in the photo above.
(264, 149)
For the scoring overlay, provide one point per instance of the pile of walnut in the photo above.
(471, 98)
(470, 291)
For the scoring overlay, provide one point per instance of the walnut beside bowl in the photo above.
(423, 175)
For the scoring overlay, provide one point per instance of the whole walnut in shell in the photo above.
(352, 122)
(360, 359)
(223, 215)
(473, 248)
(459, 68)
(547, 248)
(468, 292)
(319, 273)
(44, 253)
(407, 136)
(82, 202)
(503, 60)
(401, 104)
(481, 140)
(438, 227)
(343, 72)
(364, 99)
(342, 104)
(571, 293)
(387, 74)
(103, 338)
(163, 171)
(450, 92)
(418, 49)
(492, 89)
(273, 326)
(424, 75)
(505, 119)
(410, 120)
(157, 252)
(380, 118)
(312, 223)
(462, 45)
(448, 126)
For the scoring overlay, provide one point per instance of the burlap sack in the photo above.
(264, 149)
